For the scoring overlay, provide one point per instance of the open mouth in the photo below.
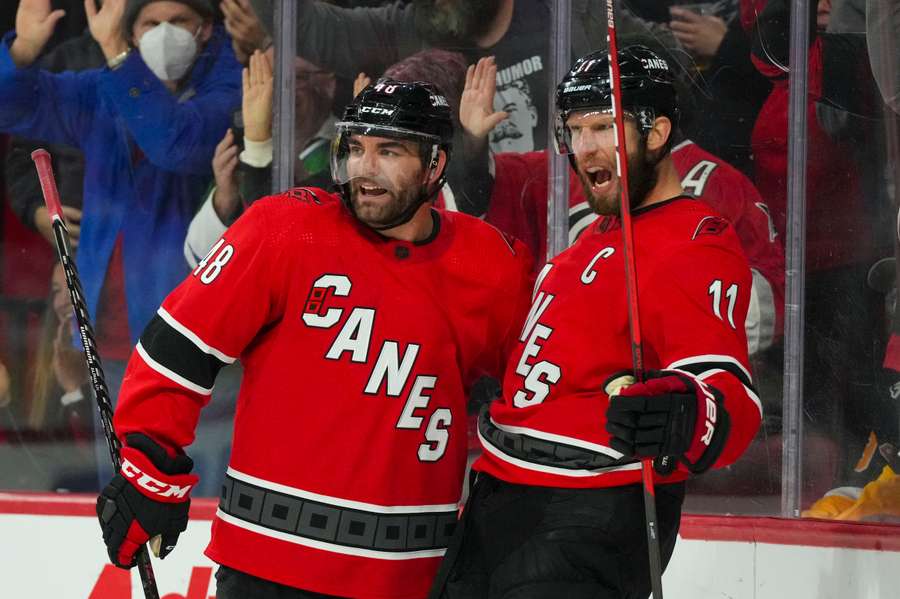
(372, 190)
(600, 179)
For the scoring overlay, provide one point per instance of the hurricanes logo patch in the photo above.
(710, 225)
(304, 195)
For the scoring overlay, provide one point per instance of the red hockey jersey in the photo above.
(838, 227)
(519, 206)
(694, 288)
(349, 437)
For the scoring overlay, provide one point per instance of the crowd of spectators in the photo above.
(159, 117)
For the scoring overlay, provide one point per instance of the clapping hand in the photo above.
(701, 35)
(225, 160)
(244, 27)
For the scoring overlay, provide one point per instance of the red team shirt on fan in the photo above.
(694, 290)
(838, 228)
(349, 439)
(519, 202)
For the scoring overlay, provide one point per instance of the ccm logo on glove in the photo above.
(154, 486)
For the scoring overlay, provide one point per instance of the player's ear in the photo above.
(437, 166)
(660, 133)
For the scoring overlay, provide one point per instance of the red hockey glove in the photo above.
(149, 496)
(669, 414)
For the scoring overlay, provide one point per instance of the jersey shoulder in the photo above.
(307, 201)
(707, 176)
(687, 223)
(308, 207)
(484, 243)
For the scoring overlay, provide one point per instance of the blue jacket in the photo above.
(147, 154)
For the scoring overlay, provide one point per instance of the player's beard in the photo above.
(451, 23)
(378, 212)
(642, 177)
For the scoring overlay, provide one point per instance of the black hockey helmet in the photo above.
(414, 111)
(648, 89)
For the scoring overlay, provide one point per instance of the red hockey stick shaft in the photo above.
(631, 291)
(41, 160)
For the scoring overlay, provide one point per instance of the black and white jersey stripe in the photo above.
(707, 365)
(180, 355)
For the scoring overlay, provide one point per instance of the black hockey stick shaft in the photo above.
(634, 320)
(41, 160)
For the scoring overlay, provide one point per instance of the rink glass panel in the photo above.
(851, 161)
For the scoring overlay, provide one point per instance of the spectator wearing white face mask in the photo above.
(148, 124)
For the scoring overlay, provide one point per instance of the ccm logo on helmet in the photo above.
(157, 487)
(376, 110)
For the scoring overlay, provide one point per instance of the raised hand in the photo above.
(476, 107)
(701, 35)
(362, 80)
(256, 103)
(35, 22)
(225, 160)
(106, 26)
(244, 27)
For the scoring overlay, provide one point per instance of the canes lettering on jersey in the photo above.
(540, 374)
(390, 372)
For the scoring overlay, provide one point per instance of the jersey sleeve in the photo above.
(732, 194)
(203, 325)
(695, 310)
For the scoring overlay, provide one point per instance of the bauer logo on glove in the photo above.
(668, 414)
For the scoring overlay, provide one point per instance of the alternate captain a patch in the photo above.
(710, 225)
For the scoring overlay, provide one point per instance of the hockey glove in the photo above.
(669, 414)
(149, 496)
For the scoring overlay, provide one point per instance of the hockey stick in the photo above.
(634, 321)
(41, 160)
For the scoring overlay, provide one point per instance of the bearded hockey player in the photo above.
(511, 194)
(557, 510)
(360, 319)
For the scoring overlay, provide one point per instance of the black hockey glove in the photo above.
(149, 496)
(669, 414)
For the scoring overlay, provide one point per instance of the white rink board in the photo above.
(736, 570)
(62, 557)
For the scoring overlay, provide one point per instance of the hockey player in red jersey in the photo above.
(360, 319)
(516, 192)
(556, 509)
